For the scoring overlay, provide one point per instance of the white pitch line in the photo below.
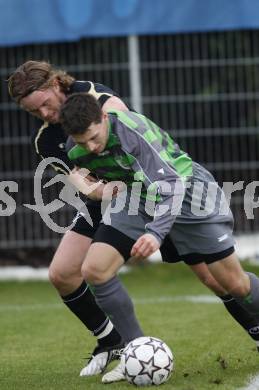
(253, 384)
(26, 273)
(23, 273)
(179, 298)
(34, 306)
(138, 301)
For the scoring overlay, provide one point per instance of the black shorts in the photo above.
(82, 226)
(170, 254)
(118, 240)
(102, 233)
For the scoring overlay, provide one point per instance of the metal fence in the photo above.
(201, 87)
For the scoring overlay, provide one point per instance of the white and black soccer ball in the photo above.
(147, 361)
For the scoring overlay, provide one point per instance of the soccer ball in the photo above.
(147, 361)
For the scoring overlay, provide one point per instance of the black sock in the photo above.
(107, 335)
(245, 319)
(82, 303)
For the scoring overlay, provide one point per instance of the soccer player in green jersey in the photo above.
(156, 203)
(39, 88)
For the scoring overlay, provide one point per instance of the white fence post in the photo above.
(135, 73)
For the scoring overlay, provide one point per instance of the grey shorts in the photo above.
(193, 243)
(198, 243)
(129, 222)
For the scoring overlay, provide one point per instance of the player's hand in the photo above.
(86, 184)
(145, 246)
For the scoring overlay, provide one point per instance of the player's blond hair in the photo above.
(36, 75)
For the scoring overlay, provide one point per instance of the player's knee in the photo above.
(241, 290)
(55, 276)
(239, 286)
(61, 276)
(92, 274)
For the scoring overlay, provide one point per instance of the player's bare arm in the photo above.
(114, 103)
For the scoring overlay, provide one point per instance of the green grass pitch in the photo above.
(42, 346)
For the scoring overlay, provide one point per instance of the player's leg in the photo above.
(246, 320)
(112, 244)
(241, 285)
(203, 273)
(65, 275)
(65, 268)
(185, 242)
(113, 247)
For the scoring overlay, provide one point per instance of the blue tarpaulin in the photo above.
(31, 21)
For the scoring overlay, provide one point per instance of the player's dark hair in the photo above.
(36, 75)
(78, 112)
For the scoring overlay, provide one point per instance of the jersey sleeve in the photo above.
(152, 160)
(101, 92)
(50, 142)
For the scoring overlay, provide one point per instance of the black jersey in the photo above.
(50, 139)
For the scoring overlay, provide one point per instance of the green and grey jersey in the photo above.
(139, 151)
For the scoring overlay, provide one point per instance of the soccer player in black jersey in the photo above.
(40, 89)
